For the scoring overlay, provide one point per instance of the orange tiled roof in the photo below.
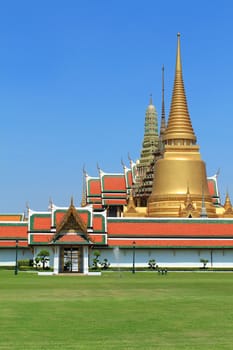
(11, 217)
(41, 238)
(72, 238)
(13, 231)
(212, 187)
(94, 188)
(172, 243)
(98, 223)
(172, 228)
(42, 222)
(114, 201)
(12, 244)
(113, 183)
(97, 238)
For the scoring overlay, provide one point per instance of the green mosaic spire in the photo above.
(151, 137)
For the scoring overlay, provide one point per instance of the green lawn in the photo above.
(141, 311)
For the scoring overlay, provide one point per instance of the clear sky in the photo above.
(75, 80)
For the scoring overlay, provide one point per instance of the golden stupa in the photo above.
(181, 169)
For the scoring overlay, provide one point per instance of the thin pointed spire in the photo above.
(178, 55)
(151, 101)
(163, 117)
(179, 128)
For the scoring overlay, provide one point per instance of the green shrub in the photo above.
(26, 262)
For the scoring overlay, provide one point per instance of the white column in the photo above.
(85, 260)
(56, 260)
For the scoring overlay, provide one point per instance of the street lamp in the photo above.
(133, 271)
(16, 256)
(71, 258)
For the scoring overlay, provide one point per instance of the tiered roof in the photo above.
(63, 225)
(110, 188)
(94, 228)
(13, 229)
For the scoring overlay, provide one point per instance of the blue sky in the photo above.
(75, 80)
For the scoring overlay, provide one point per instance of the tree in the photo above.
(43, 256)
(96, 260)
(204, 262)
(152, 264)
(105, 264)
(36, 262)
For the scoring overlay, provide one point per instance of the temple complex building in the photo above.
(162, 206)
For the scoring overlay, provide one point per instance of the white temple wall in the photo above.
(8, 256)
(123, 257)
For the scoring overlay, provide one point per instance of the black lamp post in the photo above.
(16, 256)
(133, 270)
(71, 258)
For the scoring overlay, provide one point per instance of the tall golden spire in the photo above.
(163, 120)
(179, 128)
(181, 163)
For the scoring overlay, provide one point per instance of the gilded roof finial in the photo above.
(228, 206)
(72, 201)
(179, 125)
(131, 207)
(27, 210)
(50, 203)
(98, 168)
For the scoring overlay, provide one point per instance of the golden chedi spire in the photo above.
(179, 128)
(228, 211)
(131, 210)
(181, 163)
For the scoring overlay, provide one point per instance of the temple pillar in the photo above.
(85, 260)
(56, 260)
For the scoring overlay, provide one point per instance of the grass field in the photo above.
(116, 311)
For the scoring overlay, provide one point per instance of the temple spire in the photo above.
(151, 101)
(228, 207)
(163, 118)
(227, 204)
(151, 138)
(179, 129)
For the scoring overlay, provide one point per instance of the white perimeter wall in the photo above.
(8, 256)
(166, 257)
(124, 257)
